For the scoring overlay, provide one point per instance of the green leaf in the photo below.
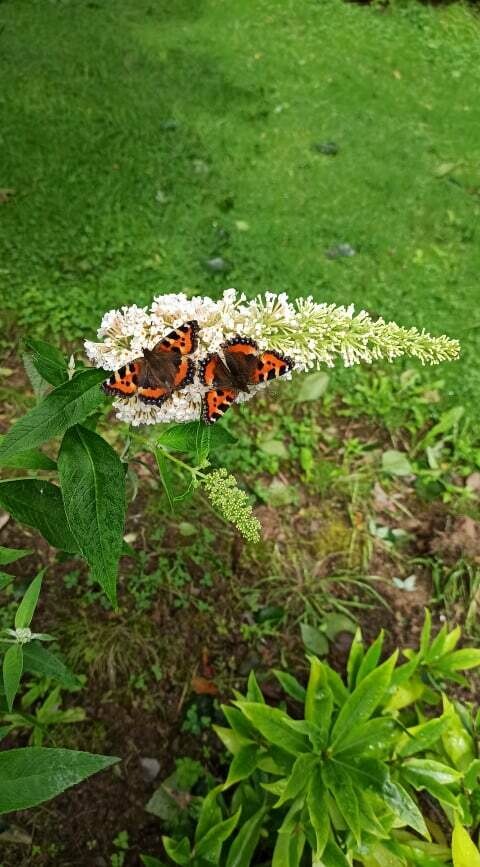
(186, 437)
(274, 447)
(64, 407)
(418, 738)
(288, 848)
(39, 504)
(432, 776)
(231, 739)
(243, 847)
(318, 811)
(254, 693)
(319, 700)
(10, 555)
(92, 478)
(26, 609)
(299, 777)
(460, 660)
(12, 675)
(243, 764)
(43, 662)
(312, 387)
(210, 813)
(339, 783)
(364, 700)
(372, 738)
(210, 845)
(333, 856)
(426, 632)
(314, 640)
(271, 723)
(177, 850)
(355, 658)
(370, 660)
(404, 807)
(290, 685)
(339, 690)
(429, 769)
(39, 384)
(48, 361)
(31, 459)
(464, 851)
(32, 775)
(396, 463)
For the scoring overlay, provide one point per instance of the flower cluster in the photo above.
(232, 503)
(310, 333)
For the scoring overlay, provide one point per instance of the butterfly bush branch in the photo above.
(311, 334)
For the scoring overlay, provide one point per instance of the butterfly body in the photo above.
(159, 371)
(241, 367)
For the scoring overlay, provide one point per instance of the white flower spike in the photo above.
(311, 334)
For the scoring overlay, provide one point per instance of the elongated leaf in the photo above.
(319, 700)
(372, 738)
(340, 785)
(363, 701)
(186, 437)
(5, 580)
(243, 847)
(243, 764)
(92, 478)
(318, 811)
(39, 504)
(464, 851)
(210, 814)
(64, 407)
(355, 658)
(371, 658)
(10, 555)
(32, 775)
(299, 777)
(333, 856)
(271, 723)
(48, 361)
(26, 609)
(177, 850)
(419, 738)
(429, 769)
(460, 660)
(254, 693)
(290, 685)
(32, 459)
(39, 660)
(404, 807)
(210, 845)
(312, 387)
(12, 674)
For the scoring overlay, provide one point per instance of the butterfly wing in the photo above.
(156, 385)
(124, 381)
(221, 394)
(271, 365)
(183, 339)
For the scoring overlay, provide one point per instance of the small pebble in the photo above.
(327, 148)
(150, 769)
(340, 251)
(217, 265)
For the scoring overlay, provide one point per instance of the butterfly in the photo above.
(243, 365)
(159, 371)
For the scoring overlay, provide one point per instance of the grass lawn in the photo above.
(143, 138)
